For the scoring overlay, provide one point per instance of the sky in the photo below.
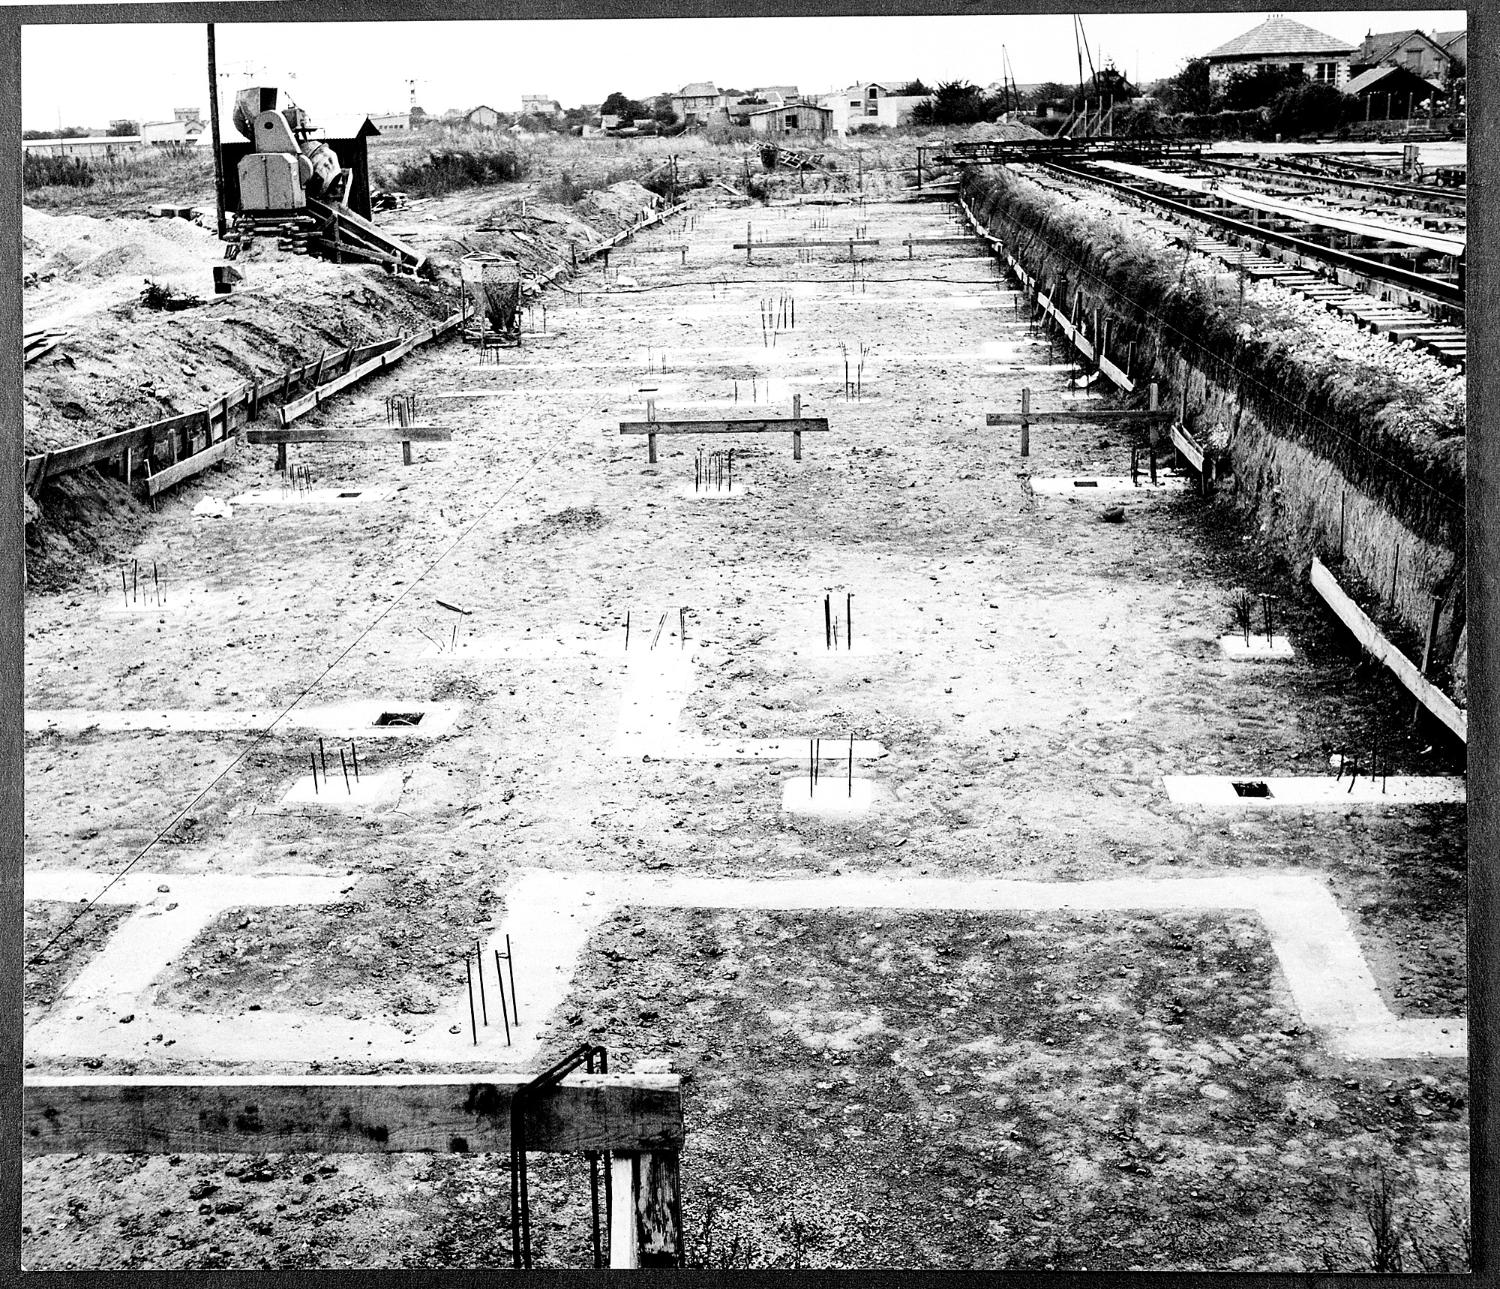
(89, 75)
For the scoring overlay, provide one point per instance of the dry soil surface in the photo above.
(887, 1088)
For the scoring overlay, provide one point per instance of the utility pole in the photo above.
(213, 118)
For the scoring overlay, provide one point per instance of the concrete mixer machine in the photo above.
(295, 186)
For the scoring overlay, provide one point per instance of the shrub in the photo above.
(1309, 108)
(448, 169)
(68, 172)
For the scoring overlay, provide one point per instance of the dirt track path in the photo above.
(1024, 676)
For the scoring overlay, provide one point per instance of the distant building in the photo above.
(794, 117)
(775, 94)
(485, 118)
(1390, 90)
(1280, 42)
(694, 103)
(179, 130)
(391, 122)
(871, 103)
(93, 146)
(540, 105)
(1415, 50)
(186, 114)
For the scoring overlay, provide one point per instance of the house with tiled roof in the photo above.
(1415, 50)
(694, 103)
(1280, 42)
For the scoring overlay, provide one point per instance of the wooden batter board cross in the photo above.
(796, 425)
(370, 435)
(1151, 416)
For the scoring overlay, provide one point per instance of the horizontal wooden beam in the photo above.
(840, 241)
(351, 434)
(767, 425)
(1128, 415)
(219, 452)
(344, 1114)
(1369, 635)
(938, 241)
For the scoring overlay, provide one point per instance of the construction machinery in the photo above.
(296, 187)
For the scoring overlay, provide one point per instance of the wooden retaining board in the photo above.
(189, 466)
(261, 1114)
(1369, 635)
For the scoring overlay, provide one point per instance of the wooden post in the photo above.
(213, 119)
(281, 457)
(797, 434)
(747, 222)
(1025, 424)
(1427, 647)
(658, 1210)
(405, 451)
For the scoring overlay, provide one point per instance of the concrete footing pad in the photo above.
(1258, 649)
(1311, 791)
(366, 719)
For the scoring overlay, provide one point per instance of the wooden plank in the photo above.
(1129, 415)
(113, 445)
(189, 466)
(766, 425)
(1184, 443)
(938, 241)
(256, 1114)
(1369, 635)
(351, 434)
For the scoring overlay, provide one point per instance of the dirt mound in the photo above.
(82, 246)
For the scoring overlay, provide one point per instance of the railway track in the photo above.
(1402, 304)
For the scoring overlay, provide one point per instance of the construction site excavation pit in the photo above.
(1018, 978)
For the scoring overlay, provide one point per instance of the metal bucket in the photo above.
(492, 297)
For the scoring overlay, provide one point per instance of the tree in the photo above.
(661, 110)
(418, 116)
(1188, 90)
(627, 109)
(1051, 92)
(953, 103)
(121, 128)
(916, 87)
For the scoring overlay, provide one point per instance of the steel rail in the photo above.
(1272, 170)
(1418, 282)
